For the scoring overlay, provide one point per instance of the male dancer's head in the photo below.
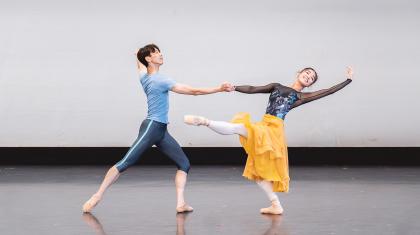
(150, 55)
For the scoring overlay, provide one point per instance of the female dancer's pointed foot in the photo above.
(91, 203)
(196, 120)
(274, 209)
(184, 208)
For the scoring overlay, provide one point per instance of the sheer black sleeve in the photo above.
(305, 97)
(256, 89)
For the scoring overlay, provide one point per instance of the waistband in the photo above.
(273, 120)
(156, 122)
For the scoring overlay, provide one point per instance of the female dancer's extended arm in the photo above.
(305, 97)
(256, 89)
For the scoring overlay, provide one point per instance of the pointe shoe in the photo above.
(90, 204)
(274, 209)
(184, 208)
(196, 120)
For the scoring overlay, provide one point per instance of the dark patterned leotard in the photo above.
(283, 99)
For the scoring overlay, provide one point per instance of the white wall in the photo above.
(68, 78)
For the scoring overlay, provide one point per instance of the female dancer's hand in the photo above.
(349, 73)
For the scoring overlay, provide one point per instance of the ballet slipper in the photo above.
(184, 208)
(90, 204)
(274, 209)
(196, 120)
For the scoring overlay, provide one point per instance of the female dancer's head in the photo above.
(307, 76)
(150, 54)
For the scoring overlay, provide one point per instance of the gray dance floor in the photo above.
(322, 200)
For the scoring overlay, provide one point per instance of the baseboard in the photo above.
(305, 156)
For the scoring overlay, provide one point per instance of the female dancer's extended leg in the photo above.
(227, 128)
(223, 128)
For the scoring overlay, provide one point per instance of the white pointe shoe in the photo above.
(274, 209)
(196, 120)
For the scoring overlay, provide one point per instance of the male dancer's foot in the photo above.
(274, 209)
(180, 181)
(196, 120)
(110, 177)
(184, 208)
(91, 203)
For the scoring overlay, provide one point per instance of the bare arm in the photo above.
(188, 90)
(140, 67)
(256, 89)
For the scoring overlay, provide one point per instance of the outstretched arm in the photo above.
(256, 89)
(188, 90)
(141, 68)
(305, 97)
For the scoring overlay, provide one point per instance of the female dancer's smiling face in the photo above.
(307, 77)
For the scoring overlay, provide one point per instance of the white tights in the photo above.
(227, 128)
(267, 186)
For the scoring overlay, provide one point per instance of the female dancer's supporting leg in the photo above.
(275, 207)
(227, 128)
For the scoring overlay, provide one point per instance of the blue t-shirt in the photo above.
(156, 87)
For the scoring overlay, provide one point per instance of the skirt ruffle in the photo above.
(267, 150)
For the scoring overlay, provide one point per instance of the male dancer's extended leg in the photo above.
(171, 148)
(144, 141)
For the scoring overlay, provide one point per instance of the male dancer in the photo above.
(153, 130)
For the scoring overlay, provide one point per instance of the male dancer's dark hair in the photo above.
(145, 52)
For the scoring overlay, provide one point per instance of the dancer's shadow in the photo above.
(276, 227)
(94, 223)
(180, 221)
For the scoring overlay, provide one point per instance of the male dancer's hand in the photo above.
(226, 86)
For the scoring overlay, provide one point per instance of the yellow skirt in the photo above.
(267, 150)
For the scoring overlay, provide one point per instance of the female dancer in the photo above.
(153, 130)
(264, 141)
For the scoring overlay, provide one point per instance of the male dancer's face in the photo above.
(155, 58)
